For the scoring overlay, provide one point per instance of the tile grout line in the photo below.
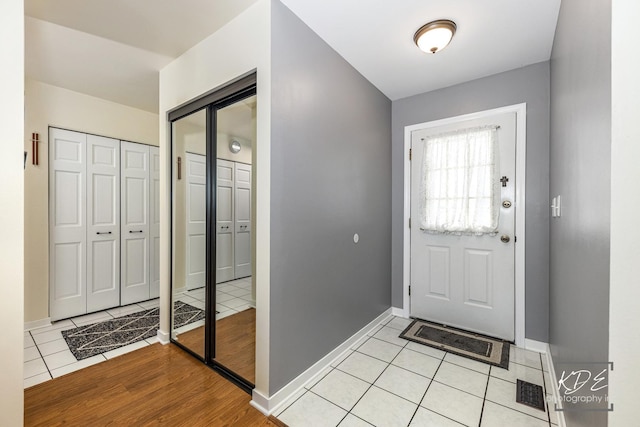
(484, 398)
(306, 390)
(41, 356)
(447, 385)
(544, 391)
(425, 392)
(334, 404)
(513, 409)
(370, 384)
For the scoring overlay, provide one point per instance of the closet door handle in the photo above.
(103, 232)
(136, 231)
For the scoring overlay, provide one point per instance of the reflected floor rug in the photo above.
(100, 337)
(474, 346)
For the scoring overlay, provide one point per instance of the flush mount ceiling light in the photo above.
(435, 36)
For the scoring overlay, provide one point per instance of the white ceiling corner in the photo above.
(113, 49)
(493, 36)
(93, 65)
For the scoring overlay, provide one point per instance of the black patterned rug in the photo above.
(100, 337)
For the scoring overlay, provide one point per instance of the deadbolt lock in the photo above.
(506, 204)
(505, 239)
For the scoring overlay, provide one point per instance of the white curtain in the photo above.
(460, 188)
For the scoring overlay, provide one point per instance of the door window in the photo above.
(460, 186)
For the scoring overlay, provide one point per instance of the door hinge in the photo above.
(515, 239)
(409, 290)
(409, 222)
(410, 154)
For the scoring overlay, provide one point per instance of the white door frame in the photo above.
(521, 150)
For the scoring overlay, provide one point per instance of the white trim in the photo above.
(399, 312)
(36, 324)
(537, 346)
(270, 404)
(554, 388)
(163, 337)
(521, 162)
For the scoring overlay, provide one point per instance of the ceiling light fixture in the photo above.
(435, 36)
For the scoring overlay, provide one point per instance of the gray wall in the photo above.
(331, 178)
(531, 85)
(581, 173)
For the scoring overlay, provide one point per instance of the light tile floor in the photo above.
(47, 355)
(386, 381)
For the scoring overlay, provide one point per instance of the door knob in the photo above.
(505, 239)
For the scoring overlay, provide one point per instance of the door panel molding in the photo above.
(134, 250)
(103, 223)
(242, 220)
(67, 223)
(196, 210)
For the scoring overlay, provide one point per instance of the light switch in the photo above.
(555, 207)
(558, 205)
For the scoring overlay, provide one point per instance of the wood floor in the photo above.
(235, 342)
(156, 385)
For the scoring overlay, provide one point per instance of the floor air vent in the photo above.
(530, 394)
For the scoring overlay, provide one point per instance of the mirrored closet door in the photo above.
(189, 180)
(213, 292)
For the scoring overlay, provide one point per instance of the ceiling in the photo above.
(113, 49)
(492, 36)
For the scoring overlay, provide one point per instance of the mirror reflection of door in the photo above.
(235, 291)
(189, 231)
(213, 292)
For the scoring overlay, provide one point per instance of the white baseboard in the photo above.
(270, 404)
(554, 389)
(399, 312)
(537, 346)
(163, 337)
(35, 324)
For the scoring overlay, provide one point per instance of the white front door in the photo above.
(154, 223)
(224, 221)
(242, 217)
(196, 215)
(134, 223)
(67, 223)
(466, 281)
(103, 223)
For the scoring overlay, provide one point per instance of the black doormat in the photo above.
(100, 337)
(466, 344)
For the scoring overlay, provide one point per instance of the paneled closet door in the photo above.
(134, 209)
(196, 215)
(103, 223)
(224, 221)
(242, 214)
(154, 225)
(67, 223)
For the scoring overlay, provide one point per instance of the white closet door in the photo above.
(224, 221)
(154, 226)
(242, 216)
(103, 223)
(196, 216)
(67, 223)
(134, 252)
